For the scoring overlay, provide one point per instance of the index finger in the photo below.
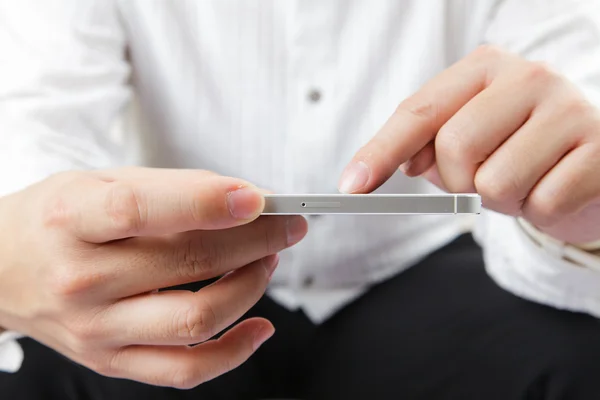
(161, 203)
(417, 120)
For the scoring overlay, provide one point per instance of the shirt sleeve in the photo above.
(565, 34)
(63, 84)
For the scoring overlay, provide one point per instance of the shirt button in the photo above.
(314, 96)
(308, 281)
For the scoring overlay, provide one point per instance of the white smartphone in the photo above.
(371, 204)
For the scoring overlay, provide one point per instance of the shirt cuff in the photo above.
(518, 264)
(580, 254)
(11, 353)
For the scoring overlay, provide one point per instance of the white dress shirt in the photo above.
(281, 93)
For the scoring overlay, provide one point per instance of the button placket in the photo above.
(312, 75)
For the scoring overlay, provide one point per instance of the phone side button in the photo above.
(321, 204)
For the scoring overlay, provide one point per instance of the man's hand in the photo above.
(514, 131)
(83, 255)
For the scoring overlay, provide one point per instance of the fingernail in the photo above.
(296, 229)
(405, 167)
(270, 263)
(261, 335)
(355, 177)
(244, 203)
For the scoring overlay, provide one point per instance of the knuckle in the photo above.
(425, 110)
(578, 107)
(186, 377)
(57, 212)
(459, 185)
(450, 144)
(100, 366)
(207, 203)
(85, 331)
(79, 343)
(196, 257)
(69, 282)
(543, 210)
(230, 363)
(124, 208)
(488, 51)
(273, 232)
(108, 365)
(197, 206)
(196, 323)
(539, 72)
(496, 189)
(377, 151)
(269, 241)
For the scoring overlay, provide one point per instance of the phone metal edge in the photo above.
(290, 204)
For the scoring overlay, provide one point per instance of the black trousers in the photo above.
(441, 330)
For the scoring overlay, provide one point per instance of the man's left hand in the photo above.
(514, 131)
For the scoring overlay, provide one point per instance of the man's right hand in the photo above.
(82, 255)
